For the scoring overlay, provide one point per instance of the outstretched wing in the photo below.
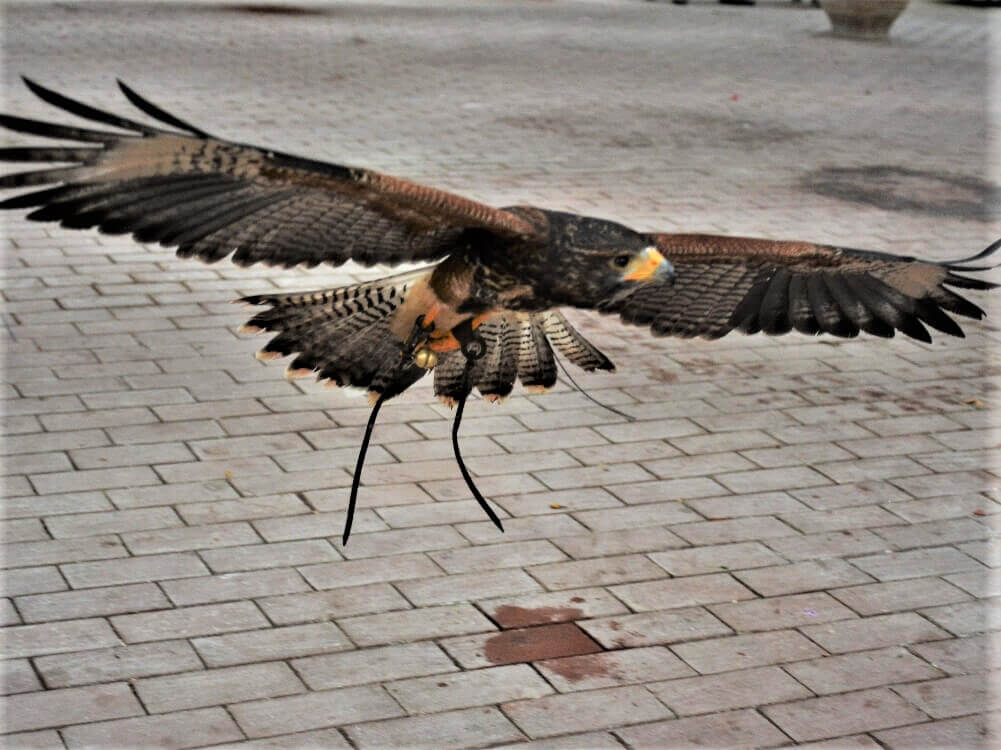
(210, 197)
(750, 285)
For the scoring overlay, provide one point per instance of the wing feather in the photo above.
(751, 285)
(274, 208)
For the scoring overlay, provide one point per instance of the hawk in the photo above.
(485, 312)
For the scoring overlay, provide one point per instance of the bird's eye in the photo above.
(621, 261)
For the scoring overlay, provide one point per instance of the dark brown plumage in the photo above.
(486, 313)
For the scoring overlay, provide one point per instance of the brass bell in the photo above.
(425, 357)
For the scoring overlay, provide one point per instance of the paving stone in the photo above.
(590, 740)
(810, 575)
(917, 563)
(45, 739)
(846, 495)
(23, 530)
(665, 490)
(133, 570)
(735, 530)
(742, 651)
(171, 494)
(274, 643)
(329, 739)
(69, 605)
(468, 689)
(207, 726)
(17, 676)
(496, 556)
(618, 542)
(712, 558)
(335, 603)
(815, 522)
(434, 514)
(652, 628)
(637, 516)
(112, 522)
(474, 727)
(56, 637)
(584, 711)
(755, 504)
(765, 480)
(462, 587)
(228, 586)
(873, 632)
(592, 476)
(313, 710)
(939, 508)
(957, 655)
(566, 501)
(256, 556)
(952, 696)
(189, 621)
(50, 505)
(718, 730)
(843, 743)
(836, 715)
(40, 580)
(933, 533)
(55, 708)
(701, 465)
(189, 538)
(381, 543)
(893, 596)
(970, 731)
(380, 664)
(601, 670)
(213, 687)
(729, 690)
(601, 572)
(681, 592)
(244, 509)
(429, 622)
(55, 551)
(932, 485)
(550, 607)
(117, 663)
(780, 612)
(357, 572)
(862, 669)
(966, 618)
(845, 543)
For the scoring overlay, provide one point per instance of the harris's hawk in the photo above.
(486, 312)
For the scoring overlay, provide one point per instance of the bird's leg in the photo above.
(449, 341)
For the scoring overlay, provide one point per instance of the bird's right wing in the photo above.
(750, 285)
(211, 197)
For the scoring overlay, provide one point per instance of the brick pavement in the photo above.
(791, 544)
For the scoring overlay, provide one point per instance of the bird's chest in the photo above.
(486, 282)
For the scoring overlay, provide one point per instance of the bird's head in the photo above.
(595, 261)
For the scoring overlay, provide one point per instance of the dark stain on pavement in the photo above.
(907, 190)
(538, 643)
(510, 616)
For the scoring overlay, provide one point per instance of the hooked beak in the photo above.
(650, 266)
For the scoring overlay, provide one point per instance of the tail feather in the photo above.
(343, 334)
(517, 348)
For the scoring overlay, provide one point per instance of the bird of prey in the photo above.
(486, 312)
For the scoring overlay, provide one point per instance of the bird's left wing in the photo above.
(737, 283)
(211, 197)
